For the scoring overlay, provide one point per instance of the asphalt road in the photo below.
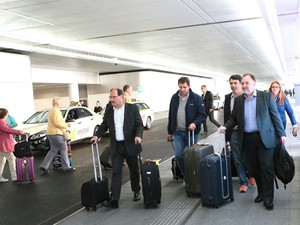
(56, 195)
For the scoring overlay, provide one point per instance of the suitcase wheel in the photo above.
(95, 208)
(232, 199)
(87, 208)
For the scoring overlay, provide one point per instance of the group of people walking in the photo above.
(254, 124)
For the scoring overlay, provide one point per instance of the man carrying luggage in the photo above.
(186, 113)
(235, 82)
(126, 130)
(260, 130)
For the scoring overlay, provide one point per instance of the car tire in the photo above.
(148, 123)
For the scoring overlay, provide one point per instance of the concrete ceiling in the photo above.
(213, 38)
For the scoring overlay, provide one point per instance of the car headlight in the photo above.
(38, 136)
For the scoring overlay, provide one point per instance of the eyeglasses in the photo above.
(113, 97)
(275, 87)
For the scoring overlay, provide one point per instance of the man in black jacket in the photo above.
(186, 113)
(126, 131)
(208, 100)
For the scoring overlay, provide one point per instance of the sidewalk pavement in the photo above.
(177, 208)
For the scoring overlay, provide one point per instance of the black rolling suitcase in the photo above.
(175, 169)
(151, 183)
(216, 180)
(95, 191)
(192, 166)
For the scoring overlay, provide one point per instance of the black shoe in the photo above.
(269, 205)
(259, 198)
(112, 204)
(71, 169)
(136, 196)
(44, 171)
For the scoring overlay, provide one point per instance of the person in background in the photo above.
(259, 132)
(126, 131)
(82, 104)
(56, 127)
(7, 144)
(208, 100)
(235, 82)
(11, 121)
(283, 105)
(98, 107)
(186, 113)
(127, 89)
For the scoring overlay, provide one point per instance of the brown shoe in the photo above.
(243, 188)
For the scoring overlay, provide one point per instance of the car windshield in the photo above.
(41, 117)
(38, 117)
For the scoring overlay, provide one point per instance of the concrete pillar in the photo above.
(73, 92)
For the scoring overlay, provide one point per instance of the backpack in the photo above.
(284, 166)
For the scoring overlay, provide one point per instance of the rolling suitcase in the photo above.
(192, 166)
(175, 169)
(95, 191)
(216, 180)
(151, 183)
(25, 169)
(24, 160)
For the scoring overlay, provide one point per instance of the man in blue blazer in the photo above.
(126, 131)
(260, 130)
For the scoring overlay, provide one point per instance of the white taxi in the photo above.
(83, 122)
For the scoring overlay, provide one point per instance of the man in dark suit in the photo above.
(232, 136)
(259, 131)
(208, 100)
(126, 130)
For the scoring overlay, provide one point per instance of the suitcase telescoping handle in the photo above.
(191, 132)
(98, 161)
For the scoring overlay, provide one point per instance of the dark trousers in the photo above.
(212, 119)
(259, 162)
(117, 160)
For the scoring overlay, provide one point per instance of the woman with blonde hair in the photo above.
(283, 105)
(55, 129)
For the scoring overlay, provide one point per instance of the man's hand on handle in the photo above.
(137, 140)
(95, 139)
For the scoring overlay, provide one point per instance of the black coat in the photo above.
(132, 127)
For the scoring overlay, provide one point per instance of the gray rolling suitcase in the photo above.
(192, 166)
(216, 180)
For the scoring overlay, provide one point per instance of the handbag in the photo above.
(67, 135)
